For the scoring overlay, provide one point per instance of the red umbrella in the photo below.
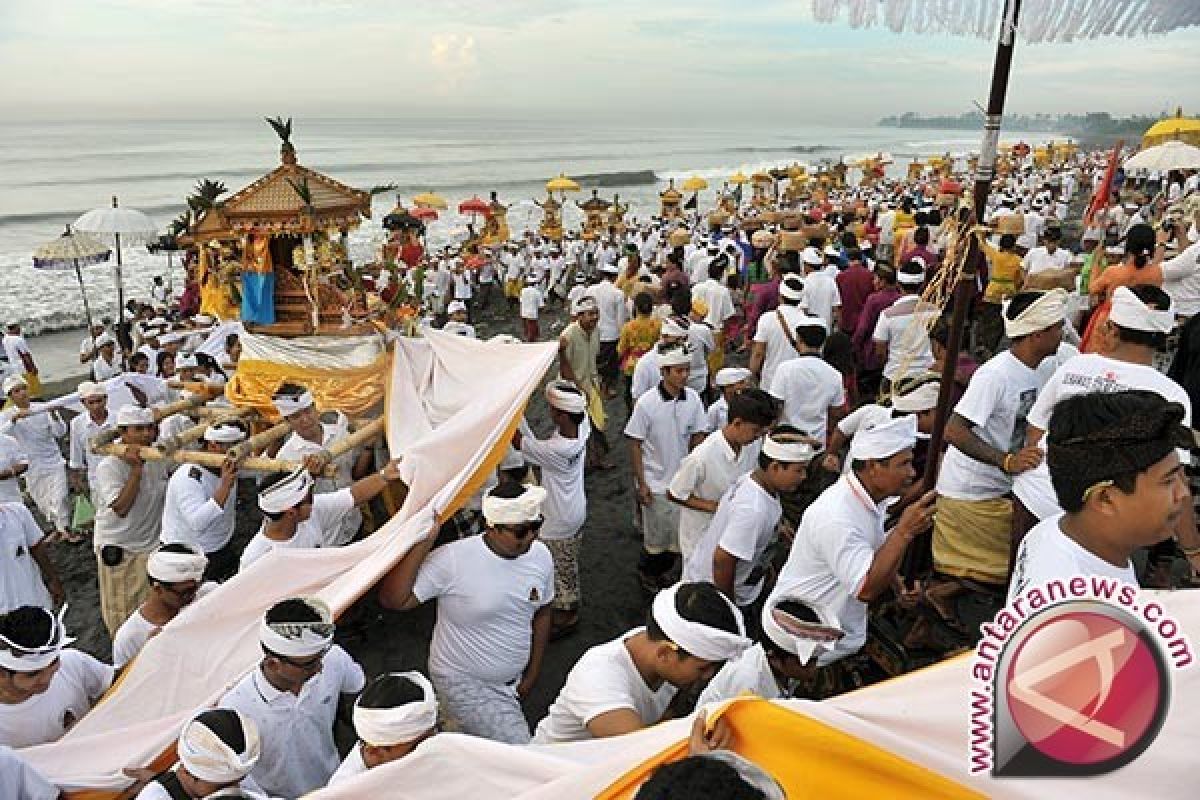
(423, 214)
(474, 206)
(474, 262)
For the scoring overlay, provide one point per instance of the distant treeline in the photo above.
(1095, 123)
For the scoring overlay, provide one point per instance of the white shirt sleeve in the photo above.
(353, 677)
(29, 527)
(639, 423)
(741, 529)
(436, 574)
(847, 556)
(689, 475)
(979, 400)
(329, 508)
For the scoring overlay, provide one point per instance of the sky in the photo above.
(647, 60)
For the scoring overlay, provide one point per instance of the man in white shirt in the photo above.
(13, 464)
(902, 331)
(38, 433)
(732, 553)
(610, 302)
(561, 457)
(27, 573)
(812, 391)
(774, 338)
(293, 696)
(647, 373)
(626, 684)
(725, 455)
(716, 296)
(176, 574)
(494, 594)
(822, 299)
(666, 423)
(95, 420)
(217, 748)
(457, 324)
(1181, 274)
(531, 303)
(986, 434)
(1048, 256)
(727, 382)
(44, 688)
(394, 714)
(1116, 471)
(200, 508)
(20, 358)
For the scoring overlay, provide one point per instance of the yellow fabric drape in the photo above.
(352, 390)
(808, 758)
(214, 298)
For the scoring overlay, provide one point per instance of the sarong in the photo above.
(565, 552)
(48, 488)
(971, 538)
(122, 588)
(475, 707)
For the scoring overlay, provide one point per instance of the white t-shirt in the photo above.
(821, 296)
(38, 435)
(664, 426)
(744, 527)
(191, 513)
(996, 402)
(485, 608)
(716, 296)
(604, 679)
(321, 529)
(705, 473)
(138, 530)
(1047, 554)
(297, 448)
(352, 765)
(748, 673)
(19, 781)
(904, 327)
(134, 632)
(14, 347)
(11, 455)
(700, 339)
(21, 581)
(778, 347)
(1181, 280)
(83, 430)
(562, 461)
(1088, 372)
(646, 374)
(531, 302)
(74, 689)
(809, 387)
(610, 302)
(1039, 259)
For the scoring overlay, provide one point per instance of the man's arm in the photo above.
(564, 364)
(959, 433)
(915, 519)
(615, 723)
(639, 474)
(757, 356)
(41, 555)
(396, 588)
(541, 635)
(365, 489)
(724, 567)
(124, 501)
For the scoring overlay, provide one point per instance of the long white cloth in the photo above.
(214, 641)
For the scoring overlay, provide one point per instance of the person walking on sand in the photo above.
(20, 358)
(38, 433)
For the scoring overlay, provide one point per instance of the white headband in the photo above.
(702, 641)
(910, 278)
(922, 398)
(800, 637)
(187, 361)
(791, 288)
(564, 396)
(514, 510)
(1049, 309)
(884, 440)
(796, 452)
(288, 404)
(208, 757)
(679, 356)
(670, 327)
(224, 433)
(288, 493)
(729, 376)
(87, 390)
(171, 567)
(401, 724)
(299, 639)
(582, 304)
(19, 658)
(1129, 311)
(134, 415)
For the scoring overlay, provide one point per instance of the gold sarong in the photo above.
(971, 538)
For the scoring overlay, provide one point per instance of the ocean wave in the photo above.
(66, 215)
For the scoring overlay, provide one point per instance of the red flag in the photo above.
(1104, 190)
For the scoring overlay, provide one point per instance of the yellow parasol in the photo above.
(431, 200)
(561, 184)
(738, 178)
(1178, 127)
(695, 184)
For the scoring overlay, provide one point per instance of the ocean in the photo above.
(50, 172)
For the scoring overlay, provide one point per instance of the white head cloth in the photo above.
(87, 390)
(19, 658)
(884, 440)
(1047, 310)
(288, 493)
(702, 641)
(514, 510)
(791, 288)
(456, 306)
(299, 639)
(922, 398)
(288, 404)
(800, 637)
(910, 278)
(105, 338)
(728, 376)
(812, 256)
(671, 327)
(678, 356)
(208, 757)
(1129, 311)
(565, 396)
(791, 448)
(171, 567)
(224, 433)
(401, 724)
(14, 382)
(583, 303)
(134, 415)
(186, 361)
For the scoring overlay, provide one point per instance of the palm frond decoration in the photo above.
(381, 189)
(204, 195)
(302, 188)
(282, 127)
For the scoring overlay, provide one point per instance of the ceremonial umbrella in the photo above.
(115, 221)
(423, 213)
(1166, 157)
(561, 184)
(738, 178)
(695, 184)
(73, 251)
(474, 206)
(431, 200)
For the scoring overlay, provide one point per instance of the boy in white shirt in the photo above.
(395, 713)
(217, 747)
(812, 391)
(531, 304)
(175, 572)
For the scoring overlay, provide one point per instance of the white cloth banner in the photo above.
(209, 646)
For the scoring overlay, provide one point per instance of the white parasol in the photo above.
(1166, 157)
(73, 251)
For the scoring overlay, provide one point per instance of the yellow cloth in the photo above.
(1004, 273)
(808, 758)
(352, 390)
(595, 407)
(34, 385)
(716, 359)
(971, 538)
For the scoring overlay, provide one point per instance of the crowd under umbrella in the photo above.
(73, 250)
(118, 221)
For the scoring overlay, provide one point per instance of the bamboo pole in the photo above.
(206, 458)
(102, 438)
(212, 389)
(222, 412)
(178, 407)
(260, 440)
(369, 432)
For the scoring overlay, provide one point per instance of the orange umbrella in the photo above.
(474, 206)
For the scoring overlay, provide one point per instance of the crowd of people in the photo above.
(776, 400)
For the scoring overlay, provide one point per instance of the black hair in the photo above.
(643, 303)
(839, 352)
(161, 358)
(921, 236)
(697, 776)
(1007, 241)
(934, 217)
(1157, 299)
(849, 240)
(390, 690)
(764, 460)
(911, 268)
(290, 389)
(717, 267)
(754, 406)
(294, 609)
(794, 283)
(27, 626)
(700, 602)
(812, 336)
(1140, 242)
(138, 357)
(227, 725)
(885, 272)
(681, 302)
(853, 254)
(507, 490)
(1017, 306)
(1053, 234)
(920, 219)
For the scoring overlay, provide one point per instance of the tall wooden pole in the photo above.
(964, 289)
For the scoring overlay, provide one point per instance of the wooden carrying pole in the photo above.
(260, 440)
(194, 433)
(206, 459)
(367, 433)
(179, 406)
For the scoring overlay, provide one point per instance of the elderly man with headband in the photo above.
(293, 696)
(395, 713)
(201, 504)
(494, 597)
(45, 687)
(309, 443)
(626, 684)
(843, 556)
(176, 574)
(217, 749)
